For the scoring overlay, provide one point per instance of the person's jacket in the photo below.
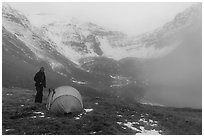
(40, 79)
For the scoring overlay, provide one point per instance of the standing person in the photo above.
(40, 82)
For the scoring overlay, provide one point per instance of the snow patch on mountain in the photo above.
(55, 64)
(66, 37)
(120, 81)
(138, 51)
(25, 35)
(78, 82)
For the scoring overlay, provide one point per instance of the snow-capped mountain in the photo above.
(73, 41)
(79, 40)
(84, 51)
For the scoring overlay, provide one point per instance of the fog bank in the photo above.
(176, 80)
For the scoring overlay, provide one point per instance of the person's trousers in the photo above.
(39, 94)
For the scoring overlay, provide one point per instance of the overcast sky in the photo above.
(130, 18)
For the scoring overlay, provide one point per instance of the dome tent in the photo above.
(64, 99)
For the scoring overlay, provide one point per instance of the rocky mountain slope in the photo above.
(85, 53)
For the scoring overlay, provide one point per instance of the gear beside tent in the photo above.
(64, 99)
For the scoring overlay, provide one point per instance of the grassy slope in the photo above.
(102, 120)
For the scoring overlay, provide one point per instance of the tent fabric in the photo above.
(65, 104)
(64, 99)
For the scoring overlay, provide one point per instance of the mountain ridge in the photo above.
(87, 54)
(78, 40)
